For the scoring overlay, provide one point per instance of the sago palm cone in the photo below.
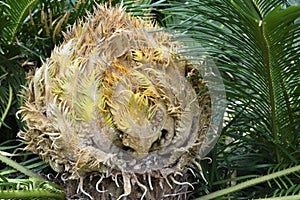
(118, 111)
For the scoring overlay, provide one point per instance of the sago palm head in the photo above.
(114, 99)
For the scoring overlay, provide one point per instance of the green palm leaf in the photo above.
(14, 13)
(257, 44)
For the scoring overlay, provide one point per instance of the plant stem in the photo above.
(266, 53)
(8, 104)
(292, 197)
(22, 194)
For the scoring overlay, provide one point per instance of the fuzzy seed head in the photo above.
(113, 99)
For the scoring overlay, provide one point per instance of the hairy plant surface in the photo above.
(118, 110)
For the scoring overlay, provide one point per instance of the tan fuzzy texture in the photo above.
(117, 110)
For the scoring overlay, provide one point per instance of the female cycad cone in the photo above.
(118, 109)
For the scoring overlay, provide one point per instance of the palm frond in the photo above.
(285, 185)
(14, 13)
(11, 148)
(257, 44)
(21, 187)
(251, 182)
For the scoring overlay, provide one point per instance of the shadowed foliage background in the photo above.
(255, 44)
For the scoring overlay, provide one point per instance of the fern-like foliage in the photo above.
(13, 15)
(285, 185)
(258, 46)
(291, 193)
(21, 180)
(28, 189)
